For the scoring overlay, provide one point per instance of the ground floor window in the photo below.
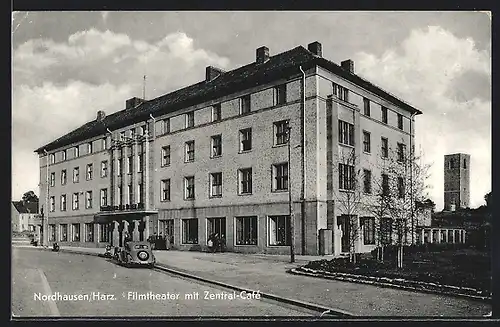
(386, 230)
(246, 230)
(75, 232)
(52, 233)
(216, 225)
(368, 224)
(190, 231)
(89, 232)
(167, 228)
(64, 232)
(279, 230)
(104, 230)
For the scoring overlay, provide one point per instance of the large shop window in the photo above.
(104, 230)
(75, 232)
(64, 232)
(190, 231)
(246, 231)
(216, 225)
(52, 233)
(89, 232)
(279, 230)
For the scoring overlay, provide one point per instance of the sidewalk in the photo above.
(267, 273)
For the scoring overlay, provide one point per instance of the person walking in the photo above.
(211, 243)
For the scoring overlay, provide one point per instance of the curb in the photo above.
(363, 280)
(163, 267)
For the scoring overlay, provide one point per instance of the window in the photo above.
(52, 179)
(104, 197)
(367, 142)
(130, 194)
(401, 152)
(451, 164)
(401, 188)
(141, 130)
(89, 147)
(130, 162)
(246, 230)
(52, 233)
(64, 177)
(245, 104)
(63, 155)
(63, 228)
(63, 202)
(280, 94)
(346, 133)
(75, 232)
(122, 136)
(245, 178)
(346, 177)
(385, 184)
(190, 119)
(52, 203)
(104, 143)
(216, 146)
(165, 156)
(385, 147)
(245, 139)
(140, 190)
(77, 151)
(281, 132)
(88, 199)
(119, 168)
(75, 201)
(104, 168)
(140, 162)
(76, 174)
(340, 92)
(279, 230)
(189, 151)
(386, 230)
(89, 232)
(190, 231)
(400, 122)
(104, 230)
(167, 226)
(367, 181)
(465, 163)
(165, 190)
(216, 184)
(384, 115)
(368, 225)
(189, 185)
(367, 109)
(216, 225)
(280, 173)
(89, 172)
(119, 195)
(216, 112)
(166, 126)
(52, 158)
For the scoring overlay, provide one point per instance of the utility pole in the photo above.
(292, 220)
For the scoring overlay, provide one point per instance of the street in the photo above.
(87, 286)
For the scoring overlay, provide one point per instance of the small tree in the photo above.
(349, 197)
(29, 197)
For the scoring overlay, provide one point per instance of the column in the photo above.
(422, 236)
(431, 236)
(464, 232)
(452, 236)
(125, 176)
(125, 227)
(135, 169)
(146, 227)
(114, 180)
(116, 234)
(135, 233)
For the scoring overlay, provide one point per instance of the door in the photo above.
(345, 226)
(167, 228)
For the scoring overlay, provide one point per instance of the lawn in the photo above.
(463, 268)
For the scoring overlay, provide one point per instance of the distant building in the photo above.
(456, 181)
(24, 216)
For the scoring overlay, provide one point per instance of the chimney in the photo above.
(100, 115)
(212, 72)
(348, 65)
(262, 55)
(133, 102)
(315, 48)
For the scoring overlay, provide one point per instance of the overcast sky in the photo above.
(69, 65)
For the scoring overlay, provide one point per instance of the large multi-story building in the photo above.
(456, 181)
(214, 157)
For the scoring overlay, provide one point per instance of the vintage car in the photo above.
(135, 254)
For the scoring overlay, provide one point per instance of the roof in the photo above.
(30, 207)
(280, 65)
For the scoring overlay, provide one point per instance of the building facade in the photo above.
(230, 155)
(24, 216)
(456, 181)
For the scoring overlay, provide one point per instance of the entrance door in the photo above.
(345, 225)
(167, 228)
(217, 225)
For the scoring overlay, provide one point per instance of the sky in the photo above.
(68, 65)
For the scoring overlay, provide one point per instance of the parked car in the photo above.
(135, 254)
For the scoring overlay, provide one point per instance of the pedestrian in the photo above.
(152, 240)
(216, 242)
(160, 243)
(127, 238)
(211, 243)
(167, 241)
(222, 243)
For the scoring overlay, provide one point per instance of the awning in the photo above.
(109, 216)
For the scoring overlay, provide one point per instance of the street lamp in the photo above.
(292, 220)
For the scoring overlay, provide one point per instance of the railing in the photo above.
(123, 207)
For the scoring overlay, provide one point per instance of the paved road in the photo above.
(103, 289)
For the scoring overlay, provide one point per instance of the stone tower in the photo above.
(456, 181)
